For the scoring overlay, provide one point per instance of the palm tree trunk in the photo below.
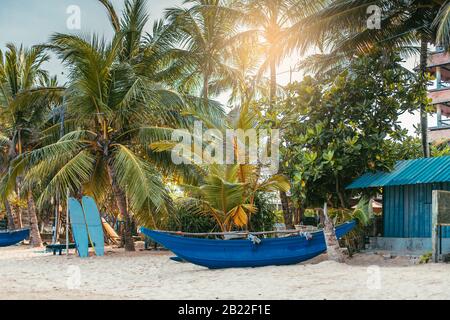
(423, 113)
(301, 213)
(9, 214)
(334, 252)
(18, 211)
(9, 209)
(273, 97)
(206, 89)
(286, 210)
(296, 216)
(273, 83)
(35, 237)
(121, 201)
(17, 215)
(340, 194)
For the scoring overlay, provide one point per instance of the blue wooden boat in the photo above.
(217, 254)
(9, 238)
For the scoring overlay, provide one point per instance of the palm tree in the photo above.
(245, 58)
(114, 112)
(24, 103)
(131, 29)
(5, 159)
(152, 54)
(116, 105)
(227, 191)
(111, 106)
(223, 199)
(269, 21)
(201, 35)
(343, 25)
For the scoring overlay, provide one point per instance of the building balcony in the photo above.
(439, 62)
(439, 134)
(438, 58)
(439, 66)
(441, 97)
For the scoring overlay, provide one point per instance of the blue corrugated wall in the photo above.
(407, 210)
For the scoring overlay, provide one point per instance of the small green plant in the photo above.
(355, 239)
(425, 258)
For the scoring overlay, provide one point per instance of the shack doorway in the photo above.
(440, 217)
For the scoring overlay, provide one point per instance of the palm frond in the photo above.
(134, 19)
(55, 150)
(114, 19)
(275, 183)
(442, 23)
(4, 142)
(71, 176)
(141, 182)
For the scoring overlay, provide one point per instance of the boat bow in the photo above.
(9, 238)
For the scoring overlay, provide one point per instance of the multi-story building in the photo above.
(439, 66)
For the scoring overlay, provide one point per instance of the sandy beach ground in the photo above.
(32, 274)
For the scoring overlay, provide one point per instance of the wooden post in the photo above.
(438, 107)
(438, 78)
(55, 223)
(67, 222)
(439, 116)
(434, 227)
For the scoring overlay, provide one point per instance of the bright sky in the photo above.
(33, 21)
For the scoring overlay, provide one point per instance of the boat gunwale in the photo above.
(243, 233)
(235, 242)
(14, 231)
(237, 233)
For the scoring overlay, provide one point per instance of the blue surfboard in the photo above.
(94, 225)
(79, 230)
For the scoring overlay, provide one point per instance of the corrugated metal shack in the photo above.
(407, 199)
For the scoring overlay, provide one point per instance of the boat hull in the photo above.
(218, 254)
(9, 238)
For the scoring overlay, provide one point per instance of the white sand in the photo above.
(29, 274)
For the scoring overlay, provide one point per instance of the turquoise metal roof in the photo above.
(418, 171)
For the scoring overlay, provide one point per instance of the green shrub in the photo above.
(425, 258)
(187, 221)
(355, 239)
(265, 217)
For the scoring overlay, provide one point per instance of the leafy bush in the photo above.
(265, 217)
(355, 239)
(188, 221)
